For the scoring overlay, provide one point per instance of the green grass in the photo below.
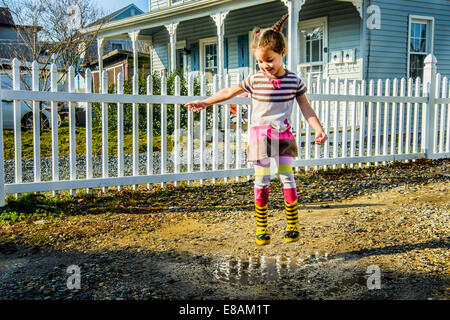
(80, 138)
(31, 206)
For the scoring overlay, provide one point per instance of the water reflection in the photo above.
(257, 269)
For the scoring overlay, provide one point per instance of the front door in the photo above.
(313, 47)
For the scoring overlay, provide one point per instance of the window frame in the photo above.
(202, 43)
(322, 21)
(177, 2)
(429, 20)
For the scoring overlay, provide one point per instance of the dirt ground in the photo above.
(389, 242)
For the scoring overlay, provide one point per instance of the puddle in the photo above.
(356, 282)
(259, 269)
(7, 267)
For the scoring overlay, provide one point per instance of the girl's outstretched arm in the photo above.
(312, 119)
(223, 95)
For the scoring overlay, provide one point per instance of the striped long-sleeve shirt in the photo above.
(273, 99)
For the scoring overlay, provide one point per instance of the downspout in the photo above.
(368, 41)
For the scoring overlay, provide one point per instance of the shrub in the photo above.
(128, 111)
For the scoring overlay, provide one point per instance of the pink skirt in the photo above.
(266, 141)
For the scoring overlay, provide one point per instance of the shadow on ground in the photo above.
(39, 273)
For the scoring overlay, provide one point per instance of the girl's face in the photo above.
(270, 62)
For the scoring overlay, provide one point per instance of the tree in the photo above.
(49, 32)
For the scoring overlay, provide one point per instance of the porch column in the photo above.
(294, 7)
(100, 43)
(150, 53)
(134, 37)
(172, 29)
(219, 19)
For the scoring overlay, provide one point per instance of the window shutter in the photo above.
(243, 51)
(195, 53)
(225, 50)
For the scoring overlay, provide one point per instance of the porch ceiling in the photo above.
(358, 5)
(152, 22)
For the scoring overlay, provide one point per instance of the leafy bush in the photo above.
(128, 110)
(30, 206)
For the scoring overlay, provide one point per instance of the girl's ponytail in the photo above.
(271, 38)
(277, 27)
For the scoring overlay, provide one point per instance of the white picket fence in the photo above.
(367, 123)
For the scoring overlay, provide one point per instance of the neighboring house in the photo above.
(352, 39)
(9, 34)
(119, 61)
(115, 51)
(10, 41)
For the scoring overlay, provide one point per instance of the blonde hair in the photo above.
(271, 38)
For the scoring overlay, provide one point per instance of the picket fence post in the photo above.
(429, 87)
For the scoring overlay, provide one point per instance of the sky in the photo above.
(113, 5)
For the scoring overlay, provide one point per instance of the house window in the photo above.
(420, 44)
(313, 41)
(209, 63)
(211, 58)
(176, 1)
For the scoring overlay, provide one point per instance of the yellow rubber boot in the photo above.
(262, 235)
(292, 233)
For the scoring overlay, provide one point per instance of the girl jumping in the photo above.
(273, 90)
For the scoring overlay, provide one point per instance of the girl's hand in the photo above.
(321, 137)
(196, 106)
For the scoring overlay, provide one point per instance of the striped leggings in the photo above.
(262, 179)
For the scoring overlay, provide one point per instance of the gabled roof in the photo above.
(6, 19)
(114, 16)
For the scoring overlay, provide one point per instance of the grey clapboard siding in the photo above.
(387, 47)
(8, 34)
(344, 32)
(158, 4)
(237, 23)
(384, 50)
(343, 24)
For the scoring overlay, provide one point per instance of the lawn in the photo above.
(80, 137)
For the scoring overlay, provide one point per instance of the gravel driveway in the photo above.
(378, 233)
